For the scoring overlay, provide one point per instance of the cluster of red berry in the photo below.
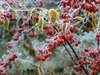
(75, 4)
(11, 16)
(91, 60)
(8, 15)
(89, 8)
(26, 29)
(59, 39)
(4, 65)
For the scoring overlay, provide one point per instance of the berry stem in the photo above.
(85, 70)
(69, 53)
(98, 45)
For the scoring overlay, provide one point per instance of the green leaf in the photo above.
(6, 24)
(41, 21)
(40, 24)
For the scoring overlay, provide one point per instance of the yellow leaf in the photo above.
(53, 15)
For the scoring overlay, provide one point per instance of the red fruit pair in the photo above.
(48, 54)
(8, 14)
(40, 58)
(68, 36)
(9, 46)
(1, 21)
(93, 53)
(32, 35)
(13, 57)
(44, 56)
(16, 35)
(60, 41)
(49, 30)
(68, 2)
(98, 36)
(77, 68)
(75, 6)
(95, 67)
(52, 46)
(77, 43)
